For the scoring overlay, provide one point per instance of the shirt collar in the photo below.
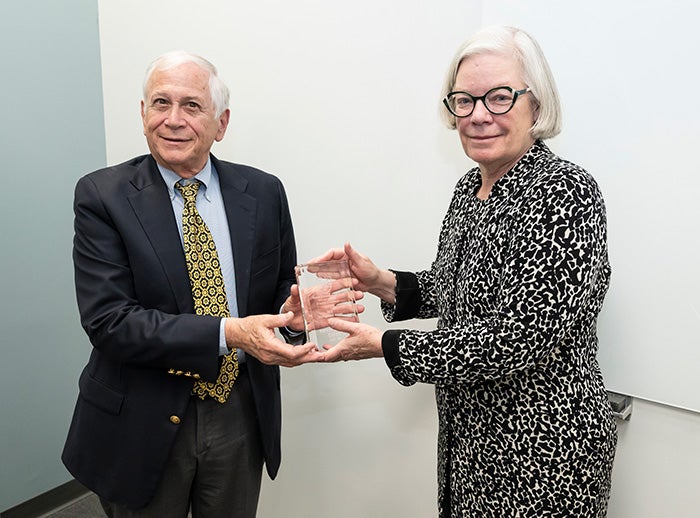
(171, 178)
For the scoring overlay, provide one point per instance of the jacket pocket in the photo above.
(99, 394)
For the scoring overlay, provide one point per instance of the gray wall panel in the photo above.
(52, 133)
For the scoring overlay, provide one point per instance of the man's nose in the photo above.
(174, 116)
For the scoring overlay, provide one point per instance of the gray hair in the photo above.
(511, 41)
(217, 88)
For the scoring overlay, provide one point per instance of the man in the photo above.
(157, 427)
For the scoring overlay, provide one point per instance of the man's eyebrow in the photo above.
(198, 100)
(156, 93)
(186, 99)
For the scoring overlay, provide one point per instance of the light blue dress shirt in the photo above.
(210, 205)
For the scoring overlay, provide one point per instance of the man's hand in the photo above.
(293, 304)
(255, 334)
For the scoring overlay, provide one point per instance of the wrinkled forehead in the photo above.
(184, 79)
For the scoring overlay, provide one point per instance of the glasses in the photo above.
(498, 101)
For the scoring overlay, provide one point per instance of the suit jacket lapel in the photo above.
(155, 212)
(241, 215)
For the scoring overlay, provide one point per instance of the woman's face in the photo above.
(495, 142)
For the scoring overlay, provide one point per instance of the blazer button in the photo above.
(174, 419)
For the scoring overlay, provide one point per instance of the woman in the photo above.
(517, 284)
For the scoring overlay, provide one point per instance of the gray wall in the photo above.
(52, 132)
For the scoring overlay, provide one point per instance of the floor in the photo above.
(85, 507)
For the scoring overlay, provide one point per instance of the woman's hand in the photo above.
(363, 341)
(371, 279)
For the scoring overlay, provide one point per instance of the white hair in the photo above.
(514, 42)
(217, 88)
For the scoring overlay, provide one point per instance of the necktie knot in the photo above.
(189, 191)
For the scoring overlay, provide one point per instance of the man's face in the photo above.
(179, 120)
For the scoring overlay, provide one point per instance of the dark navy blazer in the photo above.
(136, 307)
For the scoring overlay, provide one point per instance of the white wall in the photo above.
(340, 100)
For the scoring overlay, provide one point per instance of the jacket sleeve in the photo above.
(108, 249)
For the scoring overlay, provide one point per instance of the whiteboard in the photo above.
(628, 76)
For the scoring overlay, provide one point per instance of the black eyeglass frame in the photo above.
(482, 98)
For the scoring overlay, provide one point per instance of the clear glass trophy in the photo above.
(326, 291)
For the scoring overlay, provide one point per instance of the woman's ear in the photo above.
(535, 112)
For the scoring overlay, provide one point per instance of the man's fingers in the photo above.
(286, 355)
(280, 320)
(302, 354)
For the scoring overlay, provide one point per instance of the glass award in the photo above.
(325, 289)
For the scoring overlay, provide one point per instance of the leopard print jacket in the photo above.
(525, 427)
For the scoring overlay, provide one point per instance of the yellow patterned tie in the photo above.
(208, 291)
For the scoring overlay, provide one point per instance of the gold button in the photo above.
(174, 419)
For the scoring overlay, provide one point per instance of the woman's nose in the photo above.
(480, 113)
